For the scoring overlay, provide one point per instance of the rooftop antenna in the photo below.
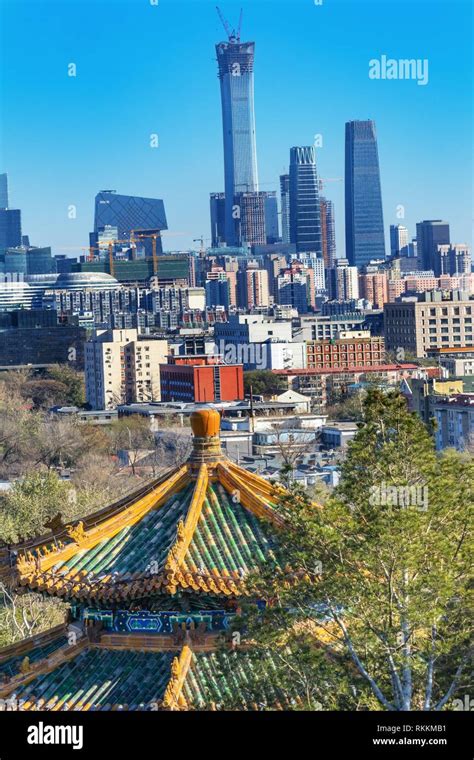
(232, 34)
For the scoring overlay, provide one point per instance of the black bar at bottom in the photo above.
(222, 734)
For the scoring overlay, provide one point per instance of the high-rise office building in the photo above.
(398, 240)
(285, 207)
(328, 232)
(10, 228)
(25, 261)
(429, 235)
(272, 233)
(64, 264)
(3, 191)
(235, 64)
(305, 212)
(249, 218)
(217, 206)
(255, 219)
(129, 214)
(363, 196)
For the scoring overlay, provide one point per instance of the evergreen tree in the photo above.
(377, 578)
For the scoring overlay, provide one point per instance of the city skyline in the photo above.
(88, 157)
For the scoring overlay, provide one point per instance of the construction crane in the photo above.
(153, 236)
(232, 34)
(110, 248)
(202, 251)
(92, 250)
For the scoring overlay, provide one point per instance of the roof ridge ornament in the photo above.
(206, 425)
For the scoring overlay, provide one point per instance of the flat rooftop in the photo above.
(348, 370)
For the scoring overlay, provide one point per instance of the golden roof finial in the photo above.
(206, 425)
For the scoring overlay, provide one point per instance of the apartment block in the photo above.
(252, 288)
(455, 422)
(433, 320)
(343, 283)
(373, 287)
(453, 259)
(353, 349)
(121, 368)
(424, 393)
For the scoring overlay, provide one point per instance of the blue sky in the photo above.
(144, 68)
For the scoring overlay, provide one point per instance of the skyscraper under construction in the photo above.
(236, 62)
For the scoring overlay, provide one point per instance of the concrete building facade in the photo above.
(418, 325)
(122, 369)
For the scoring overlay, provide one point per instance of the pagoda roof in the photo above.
(200, 528)
(35, 648)
(127, 673)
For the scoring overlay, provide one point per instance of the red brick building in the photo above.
(361, 351)
(201, 379)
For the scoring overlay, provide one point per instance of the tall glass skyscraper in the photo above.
(3, 191)
(10, 228)
(305, 212)
(364, 216)
(23, 261)
(398, 240)
(128, 212)
(285, 207)
(429, 235)
(271, 217)
(236, 61)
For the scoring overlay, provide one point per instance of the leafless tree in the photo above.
(22, 615)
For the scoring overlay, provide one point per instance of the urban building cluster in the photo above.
(274, 291)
